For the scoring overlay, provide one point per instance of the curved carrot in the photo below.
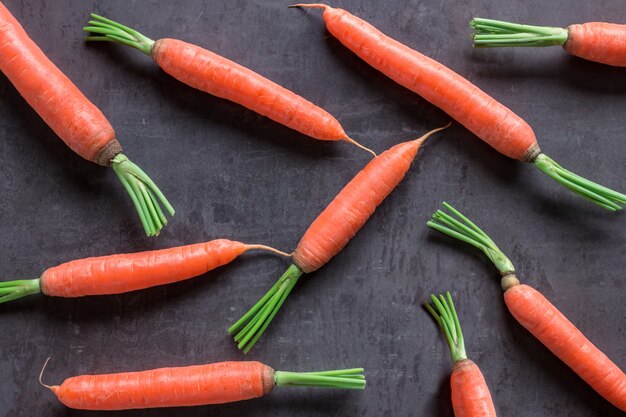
(469, 391)
(116, 274)
(595, 41)
(533, 311)
(77, 121)
(330, 232)
(480, 113)
(215, 383)
(221, 77)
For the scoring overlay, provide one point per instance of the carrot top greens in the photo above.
(445, 314)
(342, 378)
(111, 31)
(496, 33)
(12, 290)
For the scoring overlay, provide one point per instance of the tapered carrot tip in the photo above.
(311, 6)
(354, 142)
(432, 132)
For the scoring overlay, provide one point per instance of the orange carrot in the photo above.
(330, 232)
(215, 383)
(470, 393)
(480, 113)
(533, 311)
(79, 123)
(221, 77)
(595, 41)
(115, 274)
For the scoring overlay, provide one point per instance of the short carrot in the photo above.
(215, 383)
(469, 391)
(221, 77)
(480, 113)
(533, 311)
(595, 41)
(330, 232)
(116, 274)
(77, 121)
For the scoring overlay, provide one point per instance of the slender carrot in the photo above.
(480, 113)
(533, 311)
(330, 232)
(221, 77)
(116, 274)
(470, 393)
(77, 121)
(215, 383)
(595, 41)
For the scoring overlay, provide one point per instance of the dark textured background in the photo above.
(230, 173)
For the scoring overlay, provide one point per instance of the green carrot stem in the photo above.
(596, 193)
(342, 379)
(144, 194)
(249, 328)
(496, 33)
(445, 314)
(104, 29)
(12, 290)
(463, 229)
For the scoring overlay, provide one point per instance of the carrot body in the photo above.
(216, 383)
(470, 393)
(121, 273)
(599, 42)
(77, 121)
(533, 311)
(469, 105)
(221, 77)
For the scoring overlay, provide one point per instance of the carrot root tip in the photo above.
(310, 6)
(41, 375)
(354, 142)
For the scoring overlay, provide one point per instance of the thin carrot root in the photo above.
(12, 290)
(354, 142)
(144, 193)
(41, 373)
(310, 6)
(269, 249)
(445, 315)
(596, 193)
(432, 132)
(110, 31)
(249, 328)
(496, 33)
(341, 379)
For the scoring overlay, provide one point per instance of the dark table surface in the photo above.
(230, 173)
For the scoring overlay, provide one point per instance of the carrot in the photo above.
(215, 383)
(595, 41)
(330, 232)
(221, 77)
(533, 311)
(77, 121)
(480, 113)
(116, 274)
(470, 393)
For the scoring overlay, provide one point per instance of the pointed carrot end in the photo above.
(354, 142)
(310, 6)
(423, 138)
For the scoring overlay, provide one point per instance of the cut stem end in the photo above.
(445, 315)
(12, 290)
(339, 379)
(103, 29)
(496, 33)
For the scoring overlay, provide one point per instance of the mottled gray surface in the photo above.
(230, 173)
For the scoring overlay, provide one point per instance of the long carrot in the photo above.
(480, 113)
(533, 311)
(330, 232)
(215, 383)
(595, 41)
(469, 391)
(221, 77)
(79, 123)
(116, 274)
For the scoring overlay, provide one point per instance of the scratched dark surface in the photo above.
(230, 173)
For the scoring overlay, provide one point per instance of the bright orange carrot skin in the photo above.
(221, 77)
(121, 273)
(79, 123)
(354, 204)
(533, 311)
(477, 111)
(215, 383)
(470, 393)
(599, 42)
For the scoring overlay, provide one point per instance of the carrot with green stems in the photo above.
(77, 121)
(116, 274)
(533, 311)
(215, 383)
(330, 232)
(221, 77)
(470, 393)
(480, 113)
(595, 41)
